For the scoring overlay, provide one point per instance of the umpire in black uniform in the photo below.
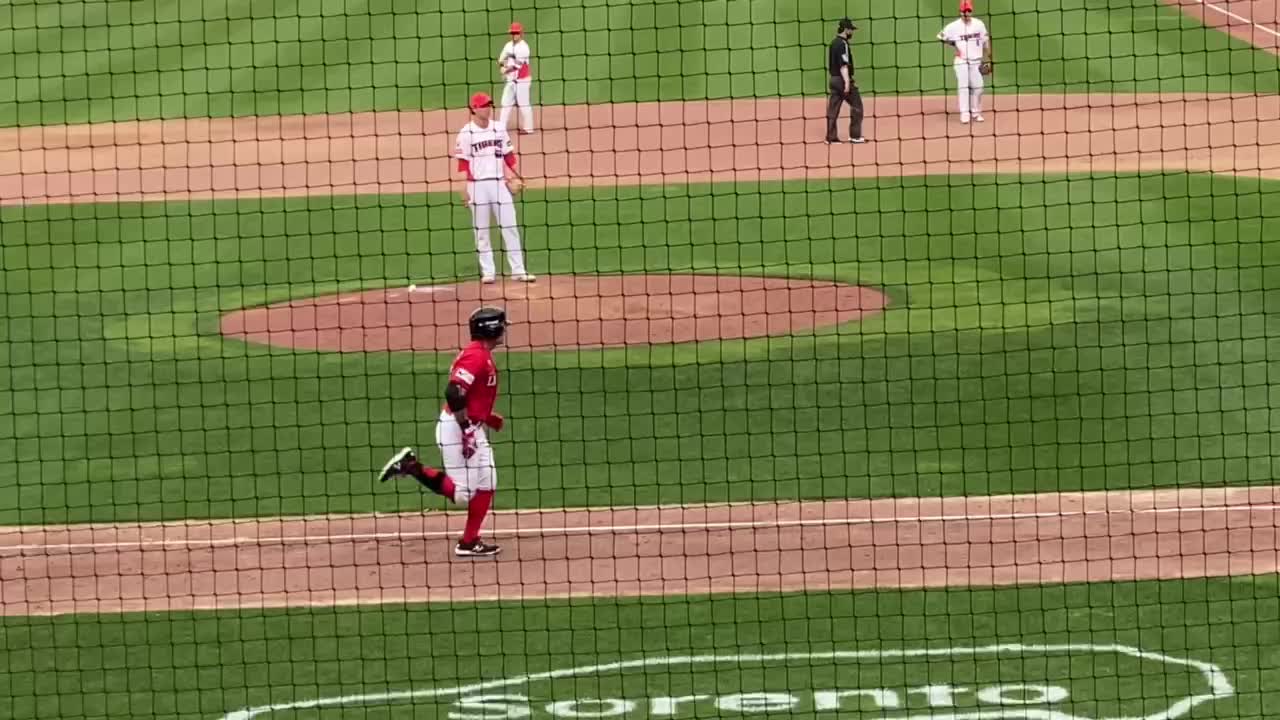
(842, 87)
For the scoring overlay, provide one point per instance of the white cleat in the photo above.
(488, 280)
(964, 119)
(525, 278)
(979, 118)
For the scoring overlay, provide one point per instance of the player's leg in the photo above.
(975, 92)
(855, 116)
(962, 89)
(482, 199)
(482, 482)
(406, 463)
(506, 210)
(508, 99)
(526, 107)
(835, 99)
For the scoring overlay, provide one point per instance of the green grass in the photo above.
(75, 61)
(205, 664)
(1045, 334)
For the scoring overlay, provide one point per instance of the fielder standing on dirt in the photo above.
(972, 43)
(470, 476)
(842, 86)
(485, 156)
(517, 75)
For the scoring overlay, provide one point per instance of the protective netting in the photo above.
(570, 359)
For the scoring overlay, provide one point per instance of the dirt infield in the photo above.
(585, 311)
(933, 542)
(648, 143)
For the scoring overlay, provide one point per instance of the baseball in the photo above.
(413, 288)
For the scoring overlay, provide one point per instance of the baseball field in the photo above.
(969, 421)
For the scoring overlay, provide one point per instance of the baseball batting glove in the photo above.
(469, 442)
(985, 68)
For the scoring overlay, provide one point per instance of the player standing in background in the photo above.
(469, 477)
(841, 85)
(513, 61)
(485, 155)
(968, 35)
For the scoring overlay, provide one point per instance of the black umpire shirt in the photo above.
(838, 56)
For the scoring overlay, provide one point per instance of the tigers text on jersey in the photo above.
(474, 371)
(516, 60)
(485, 149)
(970, 38)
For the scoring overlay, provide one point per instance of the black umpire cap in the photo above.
(846, 24)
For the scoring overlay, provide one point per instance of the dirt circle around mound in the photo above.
(559, 313)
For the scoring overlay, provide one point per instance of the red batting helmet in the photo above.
(966, 5)
(516, 28)
(480, 100)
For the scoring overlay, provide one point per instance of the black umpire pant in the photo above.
(836, 98)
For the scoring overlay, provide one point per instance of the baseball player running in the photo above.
(513, 61)
(968, 35)
(469, 477)
(485, 155)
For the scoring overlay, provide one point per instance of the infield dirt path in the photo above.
(654, 143)
(933, 542)
(1049, 538)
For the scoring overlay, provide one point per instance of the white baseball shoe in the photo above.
(488, 279)
(858, 140)
(964, 119)
(979, 118)
(525, 277)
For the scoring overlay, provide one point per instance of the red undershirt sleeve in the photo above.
(465, 166)
(511, 160)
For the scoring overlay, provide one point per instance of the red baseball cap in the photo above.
(480, 100)
(516, 28)
(966, 5)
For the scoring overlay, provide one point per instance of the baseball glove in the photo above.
(985, 68)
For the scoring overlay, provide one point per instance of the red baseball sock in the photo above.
(433, 479)
(477, 509)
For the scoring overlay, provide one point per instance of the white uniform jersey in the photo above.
(970, 38)
(485, 149)
(515, 60)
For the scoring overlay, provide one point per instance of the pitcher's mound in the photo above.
(559, 313)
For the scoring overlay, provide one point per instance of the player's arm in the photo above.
(455, 396)
(455, 393)
(462, 151)
(509, 159)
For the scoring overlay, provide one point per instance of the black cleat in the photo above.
(399, 464)
(476, 548)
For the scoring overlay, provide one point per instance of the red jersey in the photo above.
(474, 371)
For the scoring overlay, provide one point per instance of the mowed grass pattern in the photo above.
(1046, 334)
(207, 664)
(75, 62)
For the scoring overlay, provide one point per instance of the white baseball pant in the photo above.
(516, 92)
(469, 475)
(969, 84)
(491, 197)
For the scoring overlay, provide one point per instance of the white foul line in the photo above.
(1212, 6)
(615, 529)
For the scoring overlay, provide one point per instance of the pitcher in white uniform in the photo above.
(517, 74)
(968, 35)
(486, 155)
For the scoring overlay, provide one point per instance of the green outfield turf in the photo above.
(75, 61)
(1044, 335)
(206, 664)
